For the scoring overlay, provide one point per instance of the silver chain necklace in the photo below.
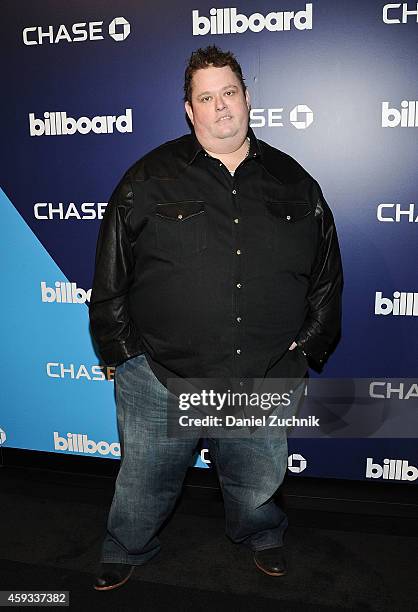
(248, 148)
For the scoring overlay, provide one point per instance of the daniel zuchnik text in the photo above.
(272, 420)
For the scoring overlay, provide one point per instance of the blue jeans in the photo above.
(153, 468)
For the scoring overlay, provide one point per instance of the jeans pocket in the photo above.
(129, 364)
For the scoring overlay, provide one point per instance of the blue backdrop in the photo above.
(331, 83)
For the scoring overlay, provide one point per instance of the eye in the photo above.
(205, 98)
(230, 92)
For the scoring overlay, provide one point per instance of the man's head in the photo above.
(216, 100)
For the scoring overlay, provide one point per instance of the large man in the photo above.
(217, 258)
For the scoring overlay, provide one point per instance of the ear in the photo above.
(189, 110)
(247, 99)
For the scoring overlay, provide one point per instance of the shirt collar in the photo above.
(196, 147)
(255, 149)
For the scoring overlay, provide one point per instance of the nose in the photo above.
(220, 103)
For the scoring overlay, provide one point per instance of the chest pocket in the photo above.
(181, 227)
(289, 212)
(292, 234)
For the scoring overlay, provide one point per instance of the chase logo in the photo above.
(301, 117)
(119, 29)
(400, 13)
(385, 390)
(69, 211)
(296, 463)
(204, 456)
(390, 213)
(2, 437)
(79, 372)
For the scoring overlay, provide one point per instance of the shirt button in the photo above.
(288, 217)
(239, 285)
(238, 252)
(179, 216)
(238, 351)
(241, 383)
(236, 220)
(234, 191)
(239, 319)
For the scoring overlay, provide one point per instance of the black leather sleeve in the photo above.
(112, 329)
(322, 327)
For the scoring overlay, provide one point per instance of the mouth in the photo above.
(225, 118)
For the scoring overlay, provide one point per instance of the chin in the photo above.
(227, 131)
(230, 134)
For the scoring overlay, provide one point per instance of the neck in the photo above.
(232, 160)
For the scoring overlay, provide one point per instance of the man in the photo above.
(217, 257)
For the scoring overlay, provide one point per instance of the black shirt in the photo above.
(213, 275)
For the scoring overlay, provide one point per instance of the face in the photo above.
(219, 110)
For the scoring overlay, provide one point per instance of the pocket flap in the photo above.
(179, 211)
(290, 211)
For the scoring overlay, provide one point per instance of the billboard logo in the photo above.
(80, 443)
(301, 117)
(403, 304)
(119, 29)
(392, 12)
(227, 21)
(392, 469)
(406, 117)
(58, 124)
(296, 463)
(2, 436)
(389, 213)
(65, 293)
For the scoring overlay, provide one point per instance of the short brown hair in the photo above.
(210, 56)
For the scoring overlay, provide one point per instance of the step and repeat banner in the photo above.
(89, 87)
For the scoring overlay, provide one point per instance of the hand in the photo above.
(292, 346)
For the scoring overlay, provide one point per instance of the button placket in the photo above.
(236, 224)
